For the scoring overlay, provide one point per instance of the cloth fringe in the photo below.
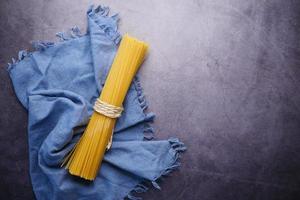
(175, 144)
(149, 116)
(178, 147)
(99, 14)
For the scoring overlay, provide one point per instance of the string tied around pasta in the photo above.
(110, 111)
(107, 109)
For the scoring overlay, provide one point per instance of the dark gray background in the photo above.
(222, 75)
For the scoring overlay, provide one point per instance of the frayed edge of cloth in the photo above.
(108, 24)
(148, 132)
(21, 55)
(100, 14)
(177, 147)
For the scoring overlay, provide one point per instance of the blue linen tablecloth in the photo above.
(58, 85)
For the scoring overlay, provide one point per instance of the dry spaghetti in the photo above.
(84, 160)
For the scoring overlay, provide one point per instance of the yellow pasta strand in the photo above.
(86, 157)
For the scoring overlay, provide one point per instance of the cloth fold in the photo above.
(58, 85)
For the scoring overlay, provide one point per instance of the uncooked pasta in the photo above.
(86, 157)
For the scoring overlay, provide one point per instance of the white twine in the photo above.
(107, 110)
(110, 111)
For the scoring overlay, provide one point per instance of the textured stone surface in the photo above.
(223, 76)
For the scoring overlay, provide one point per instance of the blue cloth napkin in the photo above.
(58, 85)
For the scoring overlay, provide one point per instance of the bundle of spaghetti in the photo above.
(86, 157)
